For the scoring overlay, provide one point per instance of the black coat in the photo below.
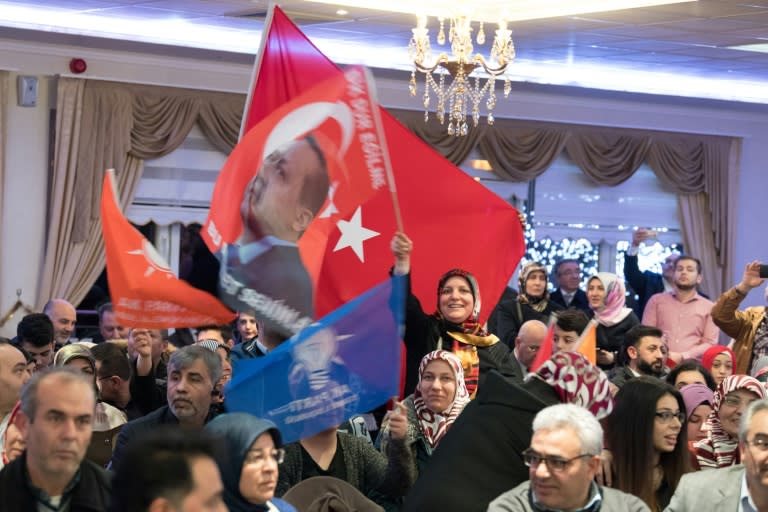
(645, 284)
(422, 333)
(579, 301)
(512, 315)
(90, 494)
(140, 427)
(481, 455)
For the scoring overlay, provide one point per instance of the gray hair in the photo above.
(754, 408)
(185, 357)
(64, 374)
(562, 416)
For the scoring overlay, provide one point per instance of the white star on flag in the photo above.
(353, 234)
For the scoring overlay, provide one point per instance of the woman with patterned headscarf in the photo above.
(720, 448)
(413, 429)
(607, 298)
(453, 327)
(532, 303)
(481, 456)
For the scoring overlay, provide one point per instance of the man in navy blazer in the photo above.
(567, 274)
(741, 487)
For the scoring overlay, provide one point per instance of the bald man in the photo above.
(530, 337)
(63, 316)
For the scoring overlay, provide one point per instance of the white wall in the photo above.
(26, 165)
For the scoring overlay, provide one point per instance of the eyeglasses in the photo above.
(760, 443)
(667, 416)
(735, 401)
(259, 458)
(554, 464)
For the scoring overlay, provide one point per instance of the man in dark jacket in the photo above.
(56, 419)
(193, 372)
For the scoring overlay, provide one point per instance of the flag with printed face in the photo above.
(303, 172)
(346, 363)
(145, 292)
(453, 220)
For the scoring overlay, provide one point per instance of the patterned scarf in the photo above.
(469, 334)
(613, 311)
(576, 381)
(719, 449)
(434, 424)
(538, 304)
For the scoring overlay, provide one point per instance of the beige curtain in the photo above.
(102, 125)
(699, 169)
(4, 99)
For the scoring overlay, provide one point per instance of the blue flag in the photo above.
(346, 363)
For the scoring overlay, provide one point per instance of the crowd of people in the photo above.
(665, 419)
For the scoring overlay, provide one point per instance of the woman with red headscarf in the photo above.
(720, 361)
(453, 327)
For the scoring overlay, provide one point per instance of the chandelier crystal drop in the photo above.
(460, 89)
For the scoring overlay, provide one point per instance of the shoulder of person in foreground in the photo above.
(707, 487)
(516, 500)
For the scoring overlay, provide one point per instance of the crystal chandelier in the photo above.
(463, 92)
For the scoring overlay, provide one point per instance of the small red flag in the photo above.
(144, 291)
(546, 349)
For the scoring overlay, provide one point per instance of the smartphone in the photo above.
(763, 270)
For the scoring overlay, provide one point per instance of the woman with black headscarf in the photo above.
(453, 327)
(249, 465)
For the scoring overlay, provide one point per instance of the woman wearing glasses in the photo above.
(646, 435)
(720, 448)
(249, 464)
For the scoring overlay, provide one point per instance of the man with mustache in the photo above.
(644, 353)
(193, 372)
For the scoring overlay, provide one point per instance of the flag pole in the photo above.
(256, 67)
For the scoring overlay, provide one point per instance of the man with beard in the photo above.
(684, 316)
(644, 353)
(264, 271)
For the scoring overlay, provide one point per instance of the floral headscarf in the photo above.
(614, 310)
(719, 449)
(468, 336)
(576, 381)
(434, 424)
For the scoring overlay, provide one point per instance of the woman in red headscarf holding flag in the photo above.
(453, 327)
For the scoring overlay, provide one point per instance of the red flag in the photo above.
(144, 291)
(453, 220)
(546, 349)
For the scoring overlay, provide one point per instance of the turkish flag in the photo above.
(546, 349)
(453, 220)
(144, 291)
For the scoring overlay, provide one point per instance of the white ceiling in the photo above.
(682, 49)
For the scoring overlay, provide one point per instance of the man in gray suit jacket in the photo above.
(738, 488)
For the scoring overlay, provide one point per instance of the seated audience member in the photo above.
(647, 284)
(223, 351)
(413, 430)
(496, 428)
(563, 460)
(13, 375)
(109, 329)
(690, 372)
(246, 327)
(607, 298)
(107, 420)
(113, 377)
(569, 324)
(698, 400)
(250, 462)
(731, 399)
(13, 441)
(567, 276)
(646, 436)
(760, 369)
(249, 344)
(171, 471)
(454, 326)
(738, 487)
(63, 317)
(532, 303)
(748, 328)
(192, 376)
(52, 474)
(643, 349)
(222, 334)
(527, 343)
(35, 335)
(683, 314)
(328, 494)
(720, 361)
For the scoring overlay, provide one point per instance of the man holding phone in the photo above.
(748, 328)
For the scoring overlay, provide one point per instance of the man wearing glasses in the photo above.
(562, 461)
(743, 487)
(567, 275)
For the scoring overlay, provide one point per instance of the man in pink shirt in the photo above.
(682, 314)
